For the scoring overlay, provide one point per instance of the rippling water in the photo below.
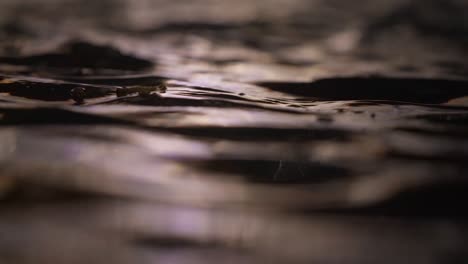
(233, 132)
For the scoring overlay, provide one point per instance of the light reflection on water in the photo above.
(277, 141)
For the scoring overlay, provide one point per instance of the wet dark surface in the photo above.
(233, 132)
(428, 91)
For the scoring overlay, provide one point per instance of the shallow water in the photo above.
(278, 139)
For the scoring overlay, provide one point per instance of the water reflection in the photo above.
(283, 137)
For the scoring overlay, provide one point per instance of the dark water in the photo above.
(233, 132)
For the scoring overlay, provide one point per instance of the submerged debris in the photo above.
(142, 90)
(78, 94)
